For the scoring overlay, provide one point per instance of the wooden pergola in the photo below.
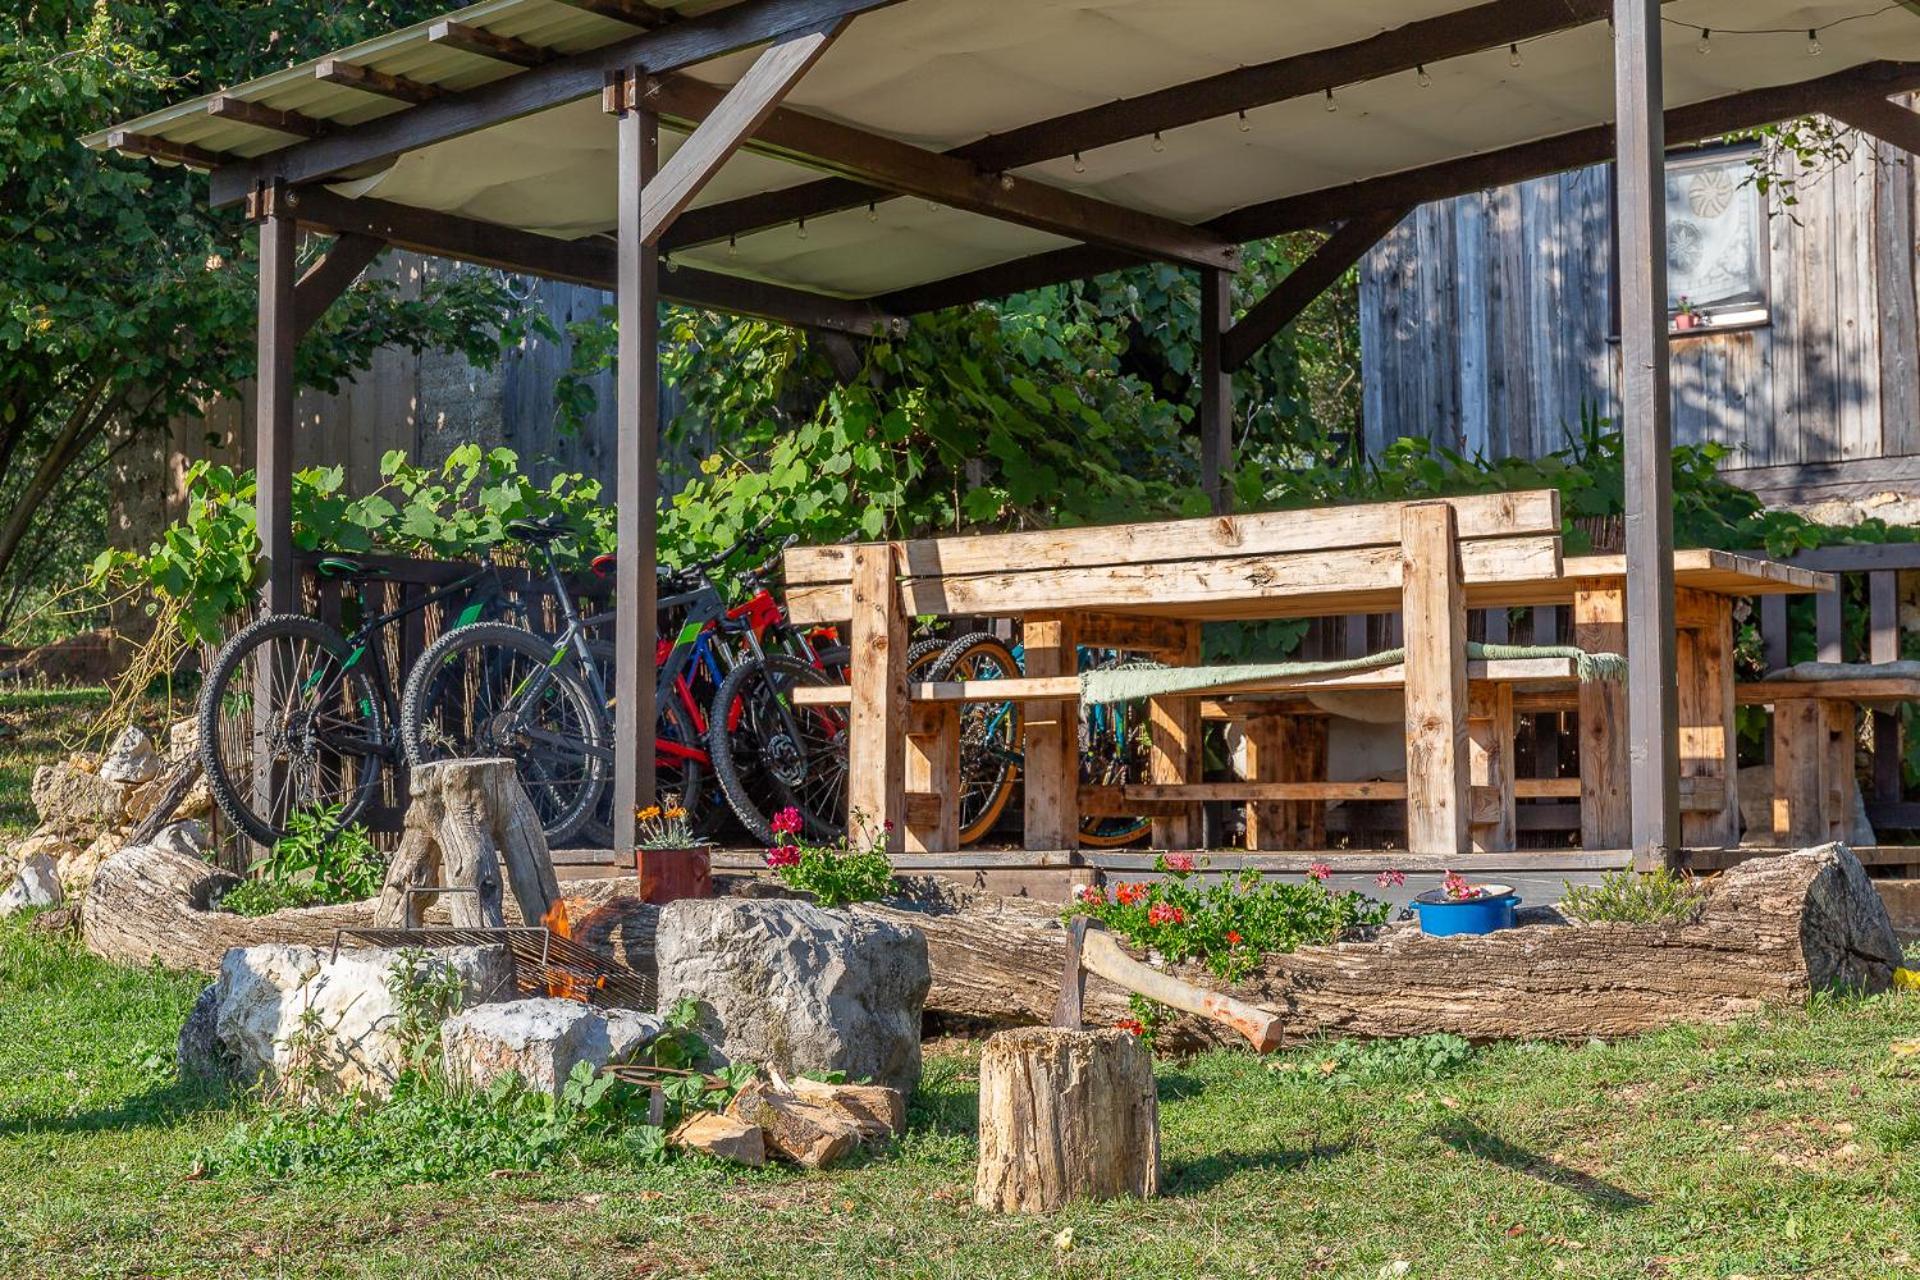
(842, 164)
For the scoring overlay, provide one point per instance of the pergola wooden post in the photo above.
(273, 403)
(636, 469)
(1216, 388)
(1646, 412)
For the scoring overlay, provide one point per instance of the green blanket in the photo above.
(1152, 680)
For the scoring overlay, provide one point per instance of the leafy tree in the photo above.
(123, 298)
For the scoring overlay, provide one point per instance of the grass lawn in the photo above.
(42, 725)
(1784, 1147)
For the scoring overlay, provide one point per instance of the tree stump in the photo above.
(466, 820)
(1064, 1115)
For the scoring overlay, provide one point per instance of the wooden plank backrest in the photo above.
(1319, 554)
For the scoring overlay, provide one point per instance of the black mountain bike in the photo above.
(297, 716)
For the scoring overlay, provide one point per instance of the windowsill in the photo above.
(1725, 326)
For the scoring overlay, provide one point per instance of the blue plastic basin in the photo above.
(1440, 917)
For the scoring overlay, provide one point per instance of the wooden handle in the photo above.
(1102, 955)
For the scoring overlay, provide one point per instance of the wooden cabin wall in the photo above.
(1486, 325)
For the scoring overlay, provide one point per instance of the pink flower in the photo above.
(787, 822)
(1320, 871)
(1180, 862)
(782, 856)
(1089, 893)
(1162, 913)
(1390, 879)
(887, 826)
(1458, 889)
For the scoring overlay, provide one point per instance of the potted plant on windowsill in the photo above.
(671, 861)
(1457, 907)
(1688, 316)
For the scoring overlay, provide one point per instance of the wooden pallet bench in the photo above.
(1814, 741)
(1148, 587)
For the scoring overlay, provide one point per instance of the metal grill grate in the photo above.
(544, 963)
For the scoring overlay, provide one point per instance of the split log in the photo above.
(723, 1137)
(1065, 1115)
(810, 1134)
(879, 1111)
(466, 820)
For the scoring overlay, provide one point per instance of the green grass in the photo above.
(1779, 1147)
(41, 726)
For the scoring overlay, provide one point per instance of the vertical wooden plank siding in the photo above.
(1600, 626)
(1286, 748)
(877, 722)
(1052, 737)
(636, 480)
(1827, 632)
(1704, 651)
(1174, 752)
(932, 778)
(1896, 317)
(1216, 389)
(1646, 422)
(273, 410)
(1434, 612)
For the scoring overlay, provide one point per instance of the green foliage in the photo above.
(317, 862)
(681, 1048)
(850, 869)
(205, 568)
(1631, 897)
(124, 298)
(1347, 1064)
(1227, 925)
(426, 991)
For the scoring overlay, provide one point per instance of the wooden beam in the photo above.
(569, 79)
(328, 278)
(1442, 180)
(1304, 283)
(1646, 409)
(141, 144)
(588, 261)
(636, 480)
(378, 83)
(634, 12)
(1402, 49)
(1216, 388)
(743, 108)
(261, 116)
(909, 170)
(482, 43)
(1435, 614)
(273, 409)
(1893, 124)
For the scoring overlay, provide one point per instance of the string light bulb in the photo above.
(1331, 104)
(670, 264)
(802, 228)
(1705, 44)
(1814, 48)
(1006, 182)
(1513, 54)
(1246, 125)
(1158, 143)
(1424, 79)
(873, 212)
(1079, 165)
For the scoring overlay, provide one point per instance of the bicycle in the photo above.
(297, 716)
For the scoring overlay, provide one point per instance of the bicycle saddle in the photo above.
(334, 568)
(545, 529)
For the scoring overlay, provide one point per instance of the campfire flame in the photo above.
(564, 984)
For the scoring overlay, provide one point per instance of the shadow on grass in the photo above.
(1470, 1139)
(155, 1108)
(1196, 1177)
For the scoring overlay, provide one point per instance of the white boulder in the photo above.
(35, 884)
(131, 760)
(539, 1039)
(68, 797)
(787, 985)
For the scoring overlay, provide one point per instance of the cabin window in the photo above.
(1716, 241)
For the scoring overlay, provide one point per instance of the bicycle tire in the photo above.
(221, 703)
(1110, 756)
(439, 709)
(987, 775)
(768, 759)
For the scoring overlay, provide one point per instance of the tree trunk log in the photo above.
(466, 821)
(1065, 1115)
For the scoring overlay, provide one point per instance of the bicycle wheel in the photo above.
(1113, 752)
(678, 775)
(491, 689)
(768, 753)
(291, 718)
(989, 732)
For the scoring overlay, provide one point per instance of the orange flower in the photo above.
(649, 813)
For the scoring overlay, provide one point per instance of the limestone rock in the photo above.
(798, 989)
(723, 1137)
(251, 998)
(808, 1133)
(199, 1053)
(188, 838)
(183, 740)
(77, 867)
(35, 884)
(628, 1032)
(540, 1039)
(131, 760)
(68, 797)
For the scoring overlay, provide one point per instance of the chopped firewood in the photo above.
(810, 1134)
(880, 1112)
(723, 1137)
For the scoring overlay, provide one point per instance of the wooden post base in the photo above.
(466, 821)
(1065, 1115)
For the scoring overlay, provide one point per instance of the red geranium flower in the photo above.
(1128, 894)
(1233, 937)
(787, 822)
(1320, 871)
(1390, 879)
(1163, 913)
(1131, 1025)
(1181, 862)
(783, 856)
